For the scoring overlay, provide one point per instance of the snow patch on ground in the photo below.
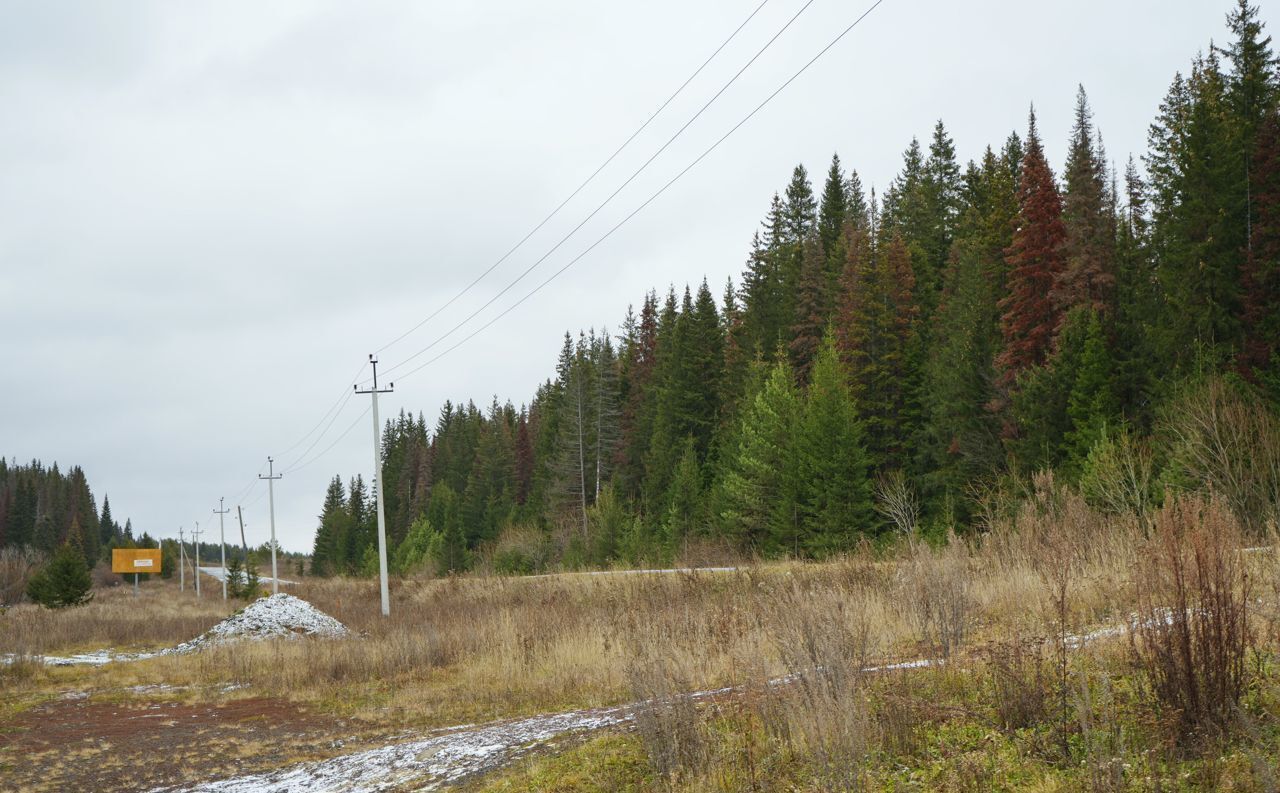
(425, 764)
(277, 617)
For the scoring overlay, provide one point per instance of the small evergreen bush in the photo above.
(64, 581)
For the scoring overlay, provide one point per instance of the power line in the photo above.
(580, 187)
(329, 448)
(342, 398)
(648, 201)
(612, 195)
(340, 404)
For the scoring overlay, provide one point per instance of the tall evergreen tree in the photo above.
(830, 460)
(1260, 279)
(758, 498)
(811, 310)
(1034, 258)
(1088, 249)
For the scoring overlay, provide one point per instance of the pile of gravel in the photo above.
(280, 616)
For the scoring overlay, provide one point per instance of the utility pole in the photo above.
(377, 473)
(182, 562)
(222, 543)
(243, 544)
(195, 540)
(271, 477)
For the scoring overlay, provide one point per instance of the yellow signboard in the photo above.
(135, 560)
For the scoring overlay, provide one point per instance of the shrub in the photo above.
(1191, 633)
(65, 581)
(16, 568)
(667, 719)
(823, 636)
(936, 590)
(1223, 435)
(1019, 679)
(1119, 474)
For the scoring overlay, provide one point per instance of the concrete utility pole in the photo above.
(195, 541)
(222, 542)
(182, 562)
(271, 477)
(243, 544)
(377, 473)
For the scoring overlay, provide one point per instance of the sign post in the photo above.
(135, 560)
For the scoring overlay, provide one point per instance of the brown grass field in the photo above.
(1019, 703)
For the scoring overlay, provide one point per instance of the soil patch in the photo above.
(80, 744)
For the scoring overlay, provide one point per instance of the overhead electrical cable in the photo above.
(612, 195)
(581, 186)
(336, 412)
(648, 201)
(329, 448)
(341, 400)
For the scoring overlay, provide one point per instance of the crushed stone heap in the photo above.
(280, 616)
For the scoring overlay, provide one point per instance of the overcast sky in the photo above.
(212, 212)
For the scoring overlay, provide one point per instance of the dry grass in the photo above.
(114, 618)
(1000, 606)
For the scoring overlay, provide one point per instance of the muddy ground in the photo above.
(114, 741)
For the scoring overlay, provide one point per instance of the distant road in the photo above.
(216, 572)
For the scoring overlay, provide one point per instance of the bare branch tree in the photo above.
(896, 500)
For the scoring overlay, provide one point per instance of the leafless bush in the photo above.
(1119, 475)
(896, 501)
(1227, 438)
(824, 640)
(1191, 634)
(1019, 678)
(666, 718)
(103, 577)
(16, 567)
(936, 589)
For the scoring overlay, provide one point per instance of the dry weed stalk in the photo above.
(936, 589)
(1191, 634)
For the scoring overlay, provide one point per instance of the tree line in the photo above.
(971, 325)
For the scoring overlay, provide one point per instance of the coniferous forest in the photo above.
(892, 362)
(43, 508)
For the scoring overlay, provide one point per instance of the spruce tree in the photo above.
(1091, 403)
(758, 496)
(1197, 239)
(1259, 359)
(683, 517)
(64, 581)
(1030, 319)
(1088, 248)
(830, 460)
(811, 310)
